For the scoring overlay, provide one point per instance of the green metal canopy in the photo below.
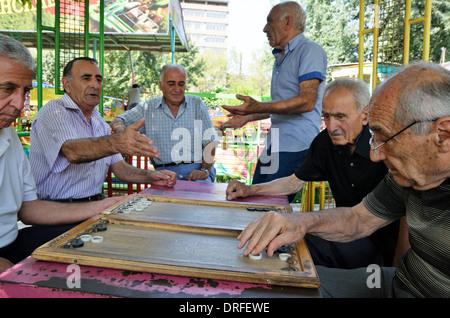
(75, 28)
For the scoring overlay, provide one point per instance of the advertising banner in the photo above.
(121, 16)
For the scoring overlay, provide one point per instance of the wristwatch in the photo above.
(205, 171)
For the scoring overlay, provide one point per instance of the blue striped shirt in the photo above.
(58, 121)
(180, 139)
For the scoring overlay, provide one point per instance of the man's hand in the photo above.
(271, 230)
(5, 264)
(236, 121)
(131, 143)
(164, 177)
(237, 189)
(197, 175)
(249, 106)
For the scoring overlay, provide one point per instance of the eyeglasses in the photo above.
(374, 143)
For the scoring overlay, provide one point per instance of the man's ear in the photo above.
(443, 133)
(66, 84)
(289, 22)
(365, 115)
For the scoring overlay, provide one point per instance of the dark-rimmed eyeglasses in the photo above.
(374, 143)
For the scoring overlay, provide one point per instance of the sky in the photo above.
(247, 19)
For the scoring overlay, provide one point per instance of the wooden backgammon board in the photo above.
(180, 237)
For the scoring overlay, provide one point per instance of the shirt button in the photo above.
(351, 164)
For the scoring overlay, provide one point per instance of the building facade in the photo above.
(206, 24)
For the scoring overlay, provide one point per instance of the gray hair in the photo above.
(356, 86)
(168, 67)
(16, 51)
(424, 94)
(297, 12)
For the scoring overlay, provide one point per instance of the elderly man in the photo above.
(410, 122)
(72, 147)
(340, 155)
(17, 186)
(298, 80)
(180, 127)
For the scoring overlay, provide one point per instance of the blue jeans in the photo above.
(277, 165)
(184, 170)
(131, 106)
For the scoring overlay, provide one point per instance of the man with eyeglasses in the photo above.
(340, 154)
(409, 116)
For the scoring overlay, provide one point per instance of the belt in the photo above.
(96, 197)
(171, 164)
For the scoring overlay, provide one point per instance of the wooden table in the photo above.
(32, 278)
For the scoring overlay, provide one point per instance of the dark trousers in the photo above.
(277, 165)
(359, 253)
(30, 238)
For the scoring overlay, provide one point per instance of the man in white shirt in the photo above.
(134, 96)
(17, 186)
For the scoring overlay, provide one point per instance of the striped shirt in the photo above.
(425, 269)
(58, 121)
(180, 139)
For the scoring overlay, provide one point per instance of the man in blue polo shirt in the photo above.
(298, 80)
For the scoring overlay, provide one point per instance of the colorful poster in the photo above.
(131, 16)
(121, 16)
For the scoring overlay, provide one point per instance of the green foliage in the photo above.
(334, 25)
(439, 32)
(331, 23)
(226, 178)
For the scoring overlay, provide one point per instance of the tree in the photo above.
(334, 25)
(439, 33)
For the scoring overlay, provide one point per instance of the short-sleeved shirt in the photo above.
(56, 179)
(350, 176)
(16, 184)
(303, 60)
(134, 95)
(425, 269)
(180, 139)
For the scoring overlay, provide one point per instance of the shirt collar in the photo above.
(362, 143)
(162, 103)
(69, 103)
(292, 44)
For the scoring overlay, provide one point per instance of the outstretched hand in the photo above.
(236, 121)
(132, 143)
(249, 106)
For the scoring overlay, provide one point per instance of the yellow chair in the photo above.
(309, 193)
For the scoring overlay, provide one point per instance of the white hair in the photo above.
(16, 51)
(168, 67)
(297, 12)
(424, 95)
